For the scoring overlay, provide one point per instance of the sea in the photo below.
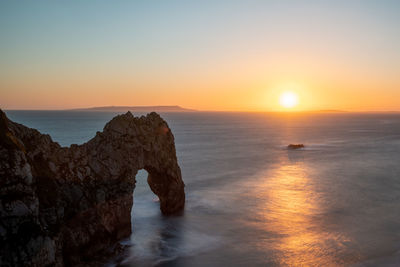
(250, 201)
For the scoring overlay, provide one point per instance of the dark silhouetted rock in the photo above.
(295, 146)
(61, 206)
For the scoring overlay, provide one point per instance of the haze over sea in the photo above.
(252, 202)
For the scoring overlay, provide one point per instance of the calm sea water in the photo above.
(252, 202)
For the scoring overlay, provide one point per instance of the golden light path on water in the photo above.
(288, 209)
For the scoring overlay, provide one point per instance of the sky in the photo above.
(206, 55)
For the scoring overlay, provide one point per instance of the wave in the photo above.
(156, 246)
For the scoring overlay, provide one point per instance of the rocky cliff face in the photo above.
(61, 206)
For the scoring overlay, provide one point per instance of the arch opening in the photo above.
(154, 237)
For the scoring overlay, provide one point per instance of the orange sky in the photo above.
(339, 55)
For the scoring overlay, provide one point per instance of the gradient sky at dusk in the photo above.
(210, 55)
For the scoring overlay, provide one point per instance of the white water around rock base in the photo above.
(252, 202)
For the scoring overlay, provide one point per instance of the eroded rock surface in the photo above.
(61, 206)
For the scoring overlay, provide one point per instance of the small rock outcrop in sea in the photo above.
(295, 146)
(62, 206)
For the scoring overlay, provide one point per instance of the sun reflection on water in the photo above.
(289, 210)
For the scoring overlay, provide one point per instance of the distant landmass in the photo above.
(137, 108)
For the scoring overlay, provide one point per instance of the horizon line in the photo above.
(184, 109)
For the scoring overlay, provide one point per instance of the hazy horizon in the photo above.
(189, 109)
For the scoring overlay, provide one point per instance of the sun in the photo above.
(288, 99)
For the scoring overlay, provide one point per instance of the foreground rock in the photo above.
(61, 206)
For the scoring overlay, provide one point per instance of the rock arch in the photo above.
(63, 205)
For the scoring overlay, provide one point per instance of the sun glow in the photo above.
(288, 99)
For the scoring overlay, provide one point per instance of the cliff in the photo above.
(61, 206)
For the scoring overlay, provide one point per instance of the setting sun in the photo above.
(288, 99)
